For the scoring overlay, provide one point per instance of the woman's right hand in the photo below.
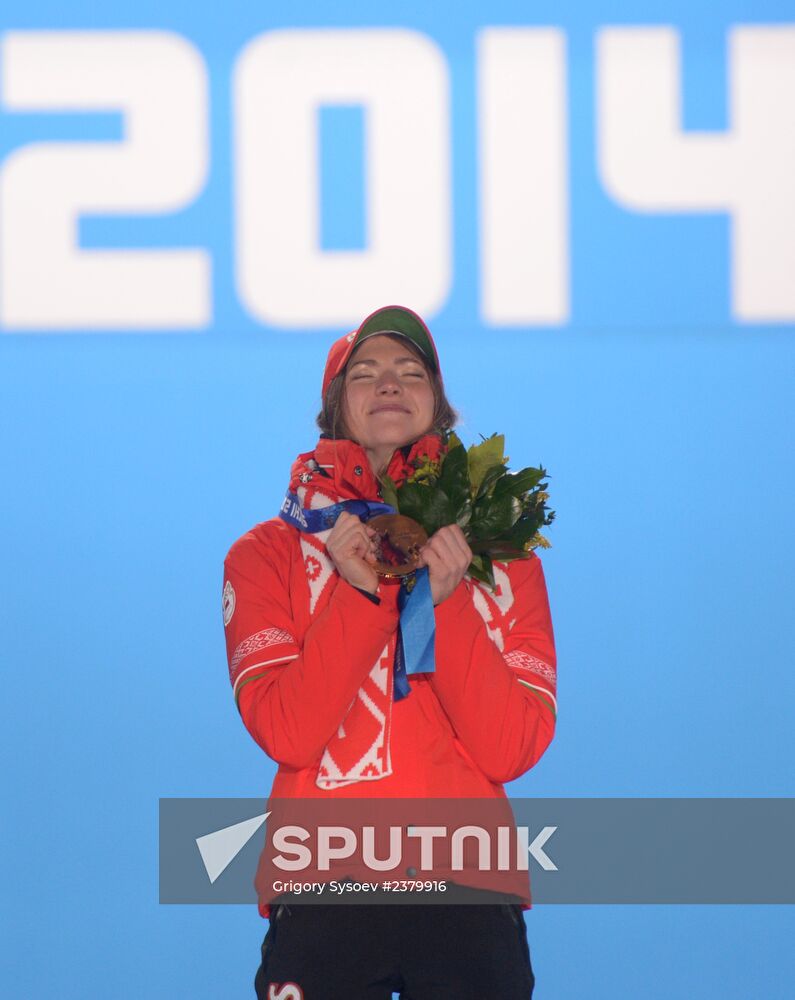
(351, 547)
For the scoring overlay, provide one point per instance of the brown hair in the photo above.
(330, 419)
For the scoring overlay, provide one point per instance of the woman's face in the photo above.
(388, 399)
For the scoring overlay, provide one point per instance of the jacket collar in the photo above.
(348, 469)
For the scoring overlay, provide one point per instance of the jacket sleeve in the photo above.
(293, 696)
(502, 704)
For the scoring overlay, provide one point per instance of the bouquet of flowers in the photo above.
(500, 512)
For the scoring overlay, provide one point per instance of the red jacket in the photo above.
(302, 643)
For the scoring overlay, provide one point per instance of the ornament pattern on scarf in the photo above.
(319, 568)
(359, 751)
(366, 728)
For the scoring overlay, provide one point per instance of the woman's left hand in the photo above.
(447, 556)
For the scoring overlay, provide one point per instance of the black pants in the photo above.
(366, 952)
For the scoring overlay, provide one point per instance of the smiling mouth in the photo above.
(389, 409)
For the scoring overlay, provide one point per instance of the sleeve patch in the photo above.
(228, 602)
(256, 643)
(517, 660)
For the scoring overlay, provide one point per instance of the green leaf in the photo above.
(429, 506)
(477, 570)
(489, 570)
(490, 477)
(454, 479)
(464, 515)
(482, 457)
(524, 529)
(477, 563)
(517, 483)
(480, 569)
(389, 491)
(453, 440)
(493, 518)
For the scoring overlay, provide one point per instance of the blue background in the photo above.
(132, 462)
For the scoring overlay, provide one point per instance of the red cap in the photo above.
(388, 319)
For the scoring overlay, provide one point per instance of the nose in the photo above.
(388, 383)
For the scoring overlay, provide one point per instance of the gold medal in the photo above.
(398, 542)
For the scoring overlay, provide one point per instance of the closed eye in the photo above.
(370, 375)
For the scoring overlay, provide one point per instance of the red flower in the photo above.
(427, 448)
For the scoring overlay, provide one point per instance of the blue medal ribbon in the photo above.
(414, 652)
(313, 521)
